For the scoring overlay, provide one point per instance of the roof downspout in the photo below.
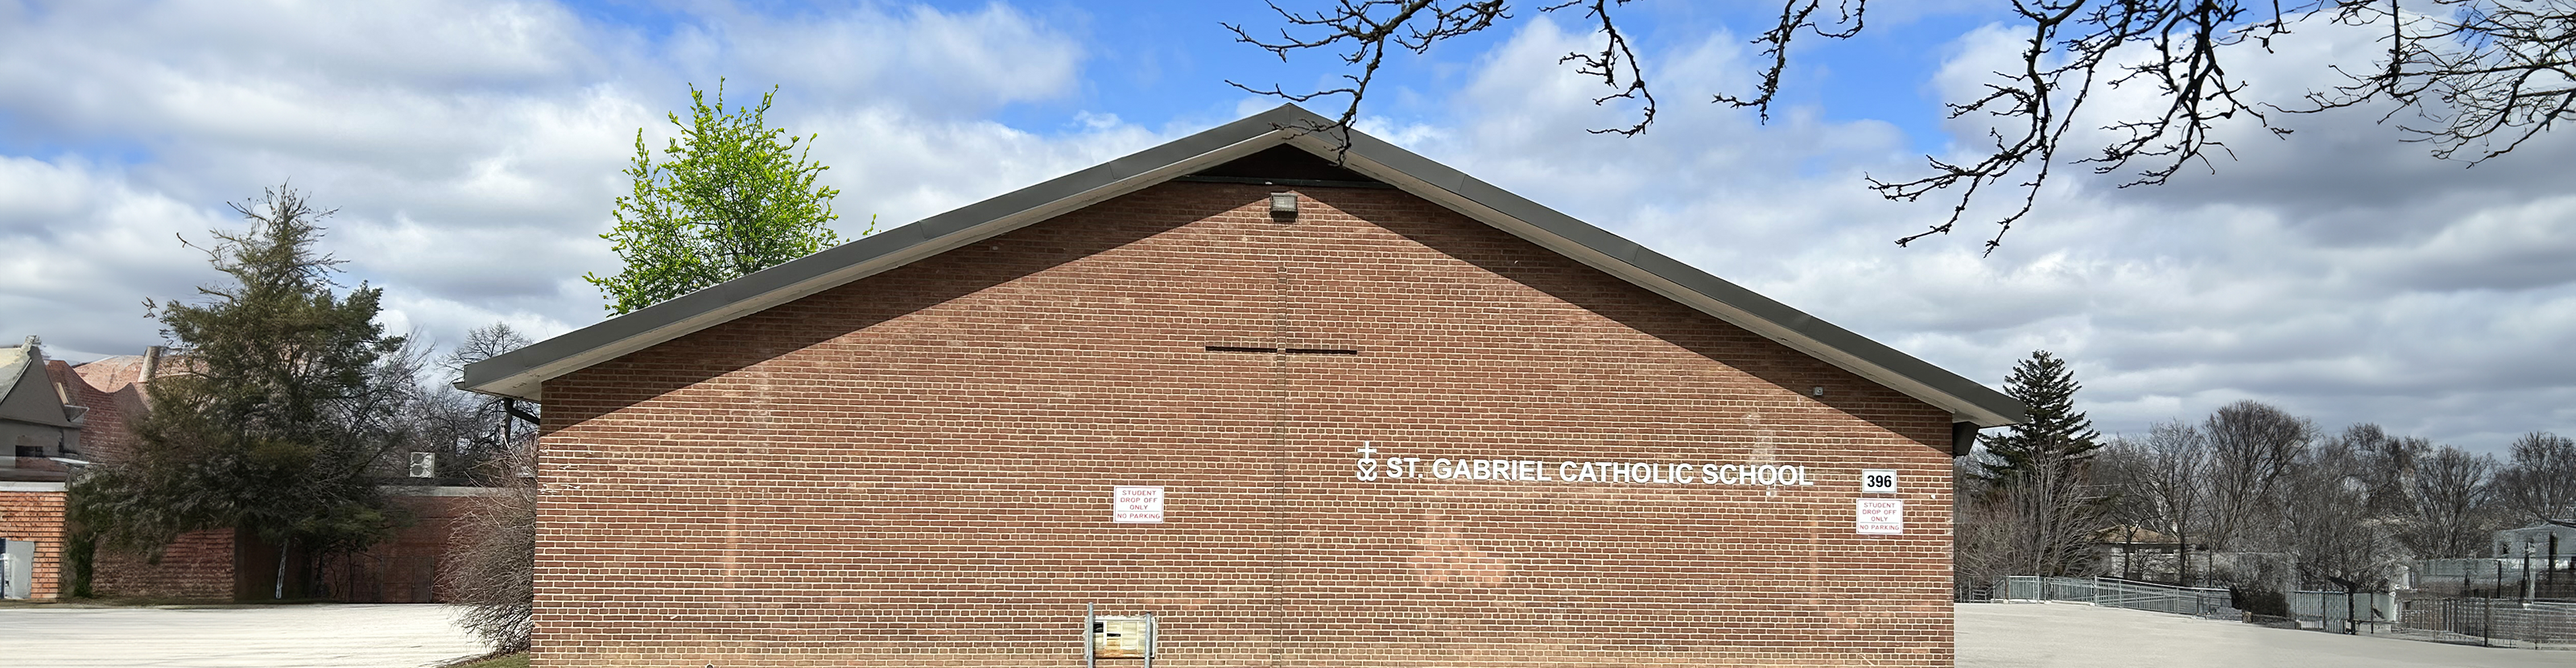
(1963, 438)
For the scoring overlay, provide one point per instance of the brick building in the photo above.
(89, 406)
(42, 428)
(115, 390)
(1377, 413)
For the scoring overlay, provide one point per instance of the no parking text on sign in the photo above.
(1136, 504)
(1880, 516)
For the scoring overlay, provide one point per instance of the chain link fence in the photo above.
(2488, 621)
(2117, 593)
(2496, 577)
(2482, 621)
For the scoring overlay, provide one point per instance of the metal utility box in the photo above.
(1121, 636)
(17, 568)
(1118, 637)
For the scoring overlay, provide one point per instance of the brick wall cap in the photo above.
(522, 373)
(441, 490)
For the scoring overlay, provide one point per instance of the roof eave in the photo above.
(522, 373)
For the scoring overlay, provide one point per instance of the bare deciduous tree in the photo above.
(2251, 446)
(2451, 505)
(2159, 482)
(1980, 531)
(478, 431)
(2482, 76)
(2386, 463)
(2327, 530)
(2540, 481)
(491, 568)
(2042, 523)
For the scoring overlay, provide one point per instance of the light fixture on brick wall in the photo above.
(1283, 205)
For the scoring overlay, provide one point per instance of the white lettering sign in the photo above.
(1372, 468)
(1879, 516)
(1878, 480)
(1137, 504)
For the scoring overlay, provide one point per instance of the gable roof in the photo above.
(522, 372)
(26, 390)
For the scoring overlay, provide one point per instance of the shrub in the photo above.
(492, 568)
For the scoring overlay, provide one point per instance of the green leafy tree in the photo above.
(732, 196)
(287, 399)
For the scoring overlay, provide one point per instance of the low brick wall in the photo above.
(197, 566)
(404, 568)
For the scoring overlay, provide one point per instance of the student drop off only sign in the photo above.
(1884, 516)
(1137, 504)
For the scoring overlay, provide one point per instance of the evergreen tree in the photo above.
(287, 398)
(735, 196)
(2034, 489)
(2055, 436)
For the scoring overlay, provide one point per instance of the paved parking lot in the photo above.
(1991, 635)
(281, 636)
(2032, 635)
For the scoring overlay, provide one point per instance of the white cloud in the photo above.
(472, 147)
(2341, 274)
(85, 250)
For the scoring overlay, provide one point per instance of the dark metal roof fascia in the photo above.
(1966, 399)
(521, 373)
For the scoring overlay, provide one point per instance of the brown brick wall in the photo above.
(198, 566)
(915, 469)
(37, 516)
(403, 568)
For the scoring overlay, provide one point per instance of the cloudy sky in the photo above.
(473, 149)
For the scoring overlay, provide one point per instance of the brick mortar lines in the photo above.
(913, 469)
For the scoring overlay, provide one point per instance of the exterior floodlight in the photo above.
(1283, 204)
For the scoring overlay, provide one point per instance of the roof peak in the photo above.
(1259, 144)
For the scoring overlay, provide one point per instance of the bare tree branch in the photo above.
(1366, 28)
(1775, 41)
(2483, 77)
(1614, 61)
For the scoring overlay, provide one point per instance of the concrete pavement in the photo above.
(269, 636)
(1991, 635)
(2034, 635)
